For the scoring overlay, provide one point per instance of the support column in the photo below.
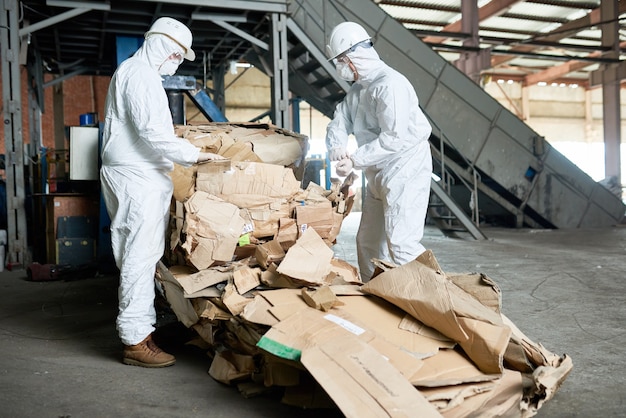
(611, 92)
(472, 62)
(17, 251)
(219, 90)
(280, 80)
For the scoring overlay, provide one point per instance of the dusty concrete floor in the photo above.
(60, 356)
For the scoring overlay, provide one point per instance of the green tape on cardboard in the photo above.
(278, 349)
(244, 240)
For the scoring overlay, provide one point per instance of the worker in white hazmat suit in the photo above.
(382, 111)
(138, 151)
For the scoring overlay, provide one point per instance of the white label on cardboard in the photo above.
(303, 228)
(248, 228)
(356, 330)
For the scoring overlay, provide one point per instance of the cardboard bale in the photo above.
(271, 144)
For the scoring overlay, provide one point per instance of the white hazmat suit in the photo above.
(382, 110)
(138, 150)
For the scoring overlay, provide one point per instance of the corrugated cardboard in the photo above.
(209, 310)
(184, 181)
(272, 278)
(229, 367)
(321, 298)
(233, 300)
(362, 382)
(345, 273)
(246, 278)
(193, 281)
(385, 318)
(447, 368)
(308, 260)
(248, 184)
(268, 253)
(428, 295)
(258, 312)
(318, 217)
(287, 233)
(240, 151)
(174, 295)
(213, 229)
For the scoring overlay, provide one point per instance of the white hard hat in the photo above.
(175, 30)
(345, 36)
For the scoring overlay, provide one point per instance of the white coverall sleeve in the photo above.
(393, 105)
(149, 109)
(340, 127)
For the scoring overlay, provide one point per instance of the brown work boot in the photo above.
(147, 354)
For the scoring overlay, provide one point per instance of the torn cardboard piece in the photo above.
(430, 297)
(321, 298)
(182, 307)
(268, 253)
(362, 382)
(229, 367)
(213, 230)
(194, 281)
(308, 260)
(249, 184)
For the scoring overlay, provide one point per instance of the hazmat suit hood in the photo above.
(367, 63)
(156, 49)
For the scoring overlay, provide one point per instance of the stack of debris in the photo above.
(252, 271)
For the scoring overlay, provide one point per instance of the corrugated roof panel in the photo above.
(540, 10)
(494, 34)
(506, 24)
(419, 14)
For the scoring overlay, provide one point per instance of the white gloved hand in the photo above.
(208, 156)
(338, 153)
(344, 167)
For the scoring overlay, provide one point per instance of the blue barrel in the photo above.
(88, 119)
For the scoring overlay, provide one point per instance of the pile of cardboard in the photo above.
(252, 271)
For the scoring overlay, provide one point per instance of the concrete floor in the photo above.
(563, 288)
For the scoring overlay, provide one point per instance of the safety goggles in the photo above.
(343, 57)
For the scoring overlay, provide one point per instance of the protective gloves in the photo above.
(208, 156)
(338, 153)
(344, 167)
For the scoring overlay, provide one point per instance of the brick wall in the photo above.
(81, 94)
